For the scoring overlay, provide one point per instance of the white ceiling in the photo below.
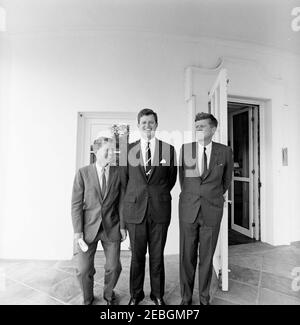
(265, 22)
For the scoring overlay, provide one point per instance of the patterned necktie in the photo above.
(148, 160)
(103, 183)
(204, 161)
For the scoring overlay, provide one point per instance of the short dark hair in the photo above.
(146, 111)
(99, 142)
(207, 116)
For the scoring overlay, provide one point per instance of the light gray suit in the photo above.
(99, 219)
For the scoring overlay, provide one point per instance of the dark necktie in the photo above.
(148, 160)
(204, 161)
(103, 183)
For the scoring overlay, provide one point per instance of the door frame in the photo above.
(260, 158)
(250, 179)
(81, 124)
(217, 105)
(82, 118)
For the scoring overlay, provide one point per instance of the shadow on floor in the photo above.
(260, 274)
(236, 238)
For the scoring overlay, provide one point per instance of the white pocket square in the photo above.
(162, 161)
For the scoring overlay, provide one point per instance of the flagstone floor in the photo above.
(260, 274)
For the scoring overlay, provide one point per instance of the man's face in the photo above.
(147, 126)
(105, 154)
(204, 131)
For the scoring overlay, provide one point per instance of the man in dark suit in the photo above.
(205, 173)
(148, 178)
(95, 216)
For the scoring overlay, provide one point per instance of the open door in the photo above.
(218, 107)
(241, 124)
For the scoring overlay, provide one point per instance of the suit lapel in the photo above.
(195, 153)
(141, 164)
(157, 157)
(111, 176)
(95, 180)
(213, 159)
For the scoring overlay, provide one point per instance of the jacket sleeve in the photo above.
(123, 174)
(173, 168)
(121, 201)
(227, 175)
(77, 203)
(181, 167)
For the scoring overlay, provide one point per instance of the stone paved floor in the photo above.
(260, 274)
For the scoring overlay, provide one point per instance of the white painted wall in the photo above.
(52, 76)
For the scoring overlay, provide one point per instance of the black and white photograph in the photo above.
(149, 154)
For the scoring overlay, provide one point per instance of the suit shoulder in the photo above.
(222, 146)
(187, 145)
(85, 169)
(133, 144)
(165, 144)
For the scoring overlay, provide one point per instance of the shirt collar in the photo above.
(144, 142)
(100, 169)
(208, 147)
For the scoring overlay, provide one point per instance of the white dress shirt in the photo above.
(100, 173)
(200, 155)
(144, 147)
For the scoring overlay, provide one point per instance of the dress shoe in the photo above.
(185, 303)
(202, 304)
(158, 301)
(111, 302)
(91, 302)
(134, 301)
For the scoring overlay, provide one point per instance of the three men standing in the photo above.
(205, 174)
(107, 199)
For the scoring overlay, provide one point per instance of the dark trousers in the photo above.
(85, 268)
(196, 238)
(153, 235)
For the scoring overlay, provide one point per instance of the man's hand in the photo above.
(79, 241)
(123, 234)
(78, 235)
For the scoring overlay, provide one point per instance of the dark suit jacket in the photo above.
(88, 207)
(155, 192)
(206, 191)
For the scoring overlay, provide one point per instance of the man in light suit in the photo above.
(205, 173)
(95, 216)
(148, 178)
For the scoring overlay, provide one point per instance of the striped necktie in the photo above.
(148, 160)
(204, 161)
(103, 183)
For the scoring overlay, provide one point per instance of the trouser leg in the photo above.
(112, 267)
(189, 242)
(85, 271)
(208, 241)
(157, 235)
(138, 244)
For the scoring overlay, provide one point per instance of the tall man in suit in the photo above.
(95, 215)
(148, 178)
(205, 173)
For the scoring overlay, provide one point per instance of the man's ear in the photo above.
(214, 129)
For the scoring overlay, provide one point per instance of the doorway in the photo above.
(110, 124)
(243, 194)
